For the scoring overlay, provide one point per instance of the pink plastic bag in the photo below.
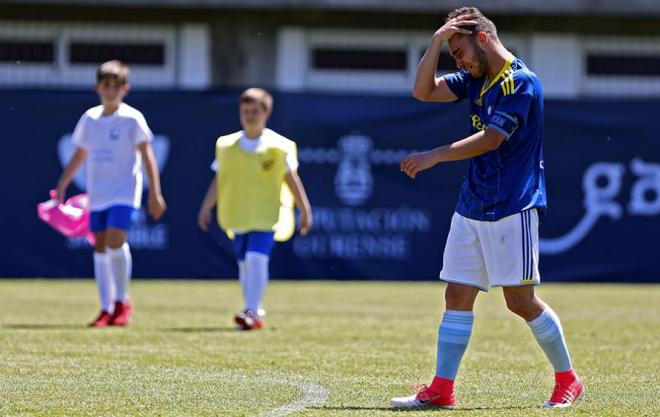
(70, 218)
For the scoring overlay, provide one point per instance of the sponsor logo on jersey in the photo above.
(477, 124)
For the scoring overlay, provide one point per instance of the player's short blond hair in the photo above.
(259, 96)
(115, 70)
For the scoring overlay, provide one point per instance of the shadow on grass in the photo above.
(199, 329)
(501, 408)
(424, 410)
(43, 326)
(356, 408)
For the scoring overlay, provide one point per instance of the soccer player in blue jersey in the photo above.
(493, 239)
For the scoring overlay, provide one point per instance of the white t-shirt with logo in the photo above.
(114, 165)
(252, 144)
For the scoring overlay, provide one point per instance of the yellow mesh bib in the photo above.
(252, 193)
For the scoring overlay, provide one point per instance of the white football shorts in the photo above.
(503, 253)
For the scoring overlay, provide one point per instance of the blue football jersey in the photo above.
(509, 179)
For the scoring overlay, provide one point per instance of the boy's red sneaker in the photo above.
(247, 320)
(102, 320)
(122, 314)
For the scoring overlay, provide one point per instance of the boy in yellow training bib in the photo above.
(255, 186)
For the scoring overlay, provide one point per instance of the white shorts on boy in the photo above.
(503, 253)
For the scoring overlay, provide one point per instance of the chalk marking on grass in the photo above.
(314, 395)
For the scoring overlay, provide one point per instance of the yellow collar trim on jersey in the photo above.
(506, 66)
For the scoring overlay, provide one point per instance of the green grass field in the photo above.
(329, 349)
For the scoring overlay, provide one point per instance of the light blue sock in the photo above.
(453, 337)
(547, 331)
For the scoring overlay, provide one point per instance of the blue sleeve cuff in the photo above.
(499, 129)
(504, 123)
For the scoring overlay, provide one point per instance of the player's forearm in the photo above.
(151, 167)
(475, 145)
(299, 194)
(67, 175)
(425, 80)
(211, 196)
(72, 167)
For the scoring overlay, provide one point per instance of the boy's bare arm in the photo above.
(300, 196)
(72, 167)
(204, 216)
(156, 203)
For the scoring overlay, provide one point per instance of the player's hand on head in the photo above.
(417, 162)
(204, 219)
(157, 206)
(455, 25)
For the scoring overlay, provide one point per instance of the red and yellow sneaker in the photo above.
(122, 314)
(102, 320)
(247, 320)
(439, 395)
(569, 389)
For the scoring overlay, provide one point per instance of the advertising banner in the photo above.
(602, 163)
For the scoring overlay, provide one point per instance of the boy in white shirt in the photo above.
(255, 186)
(114, 139)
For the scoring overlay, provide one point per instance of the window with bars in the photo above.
(361, 59)
(130, 53)
(29, 51)
(609, 64)
(446, 63)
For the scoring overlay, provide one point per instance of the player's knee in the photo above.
(457, 298)
(99, 245)
(115, 239)
(522, 306)
(514, 304)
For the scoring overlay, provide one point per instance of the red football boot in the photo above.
(439, 395)
(102, 320)
(247, 320)
(569, 389)
(122, 314)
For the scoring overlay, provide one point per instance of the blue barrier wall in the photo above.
(602, 161)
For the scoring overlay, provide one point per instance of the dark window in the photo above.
(359, 59)
(130, 53)
(636, 65)
(446, 63)
(27, 51)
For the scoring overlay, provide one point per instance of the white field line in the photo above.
(314, 395)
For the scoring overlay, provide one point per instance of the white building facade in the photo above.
(578, 49)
